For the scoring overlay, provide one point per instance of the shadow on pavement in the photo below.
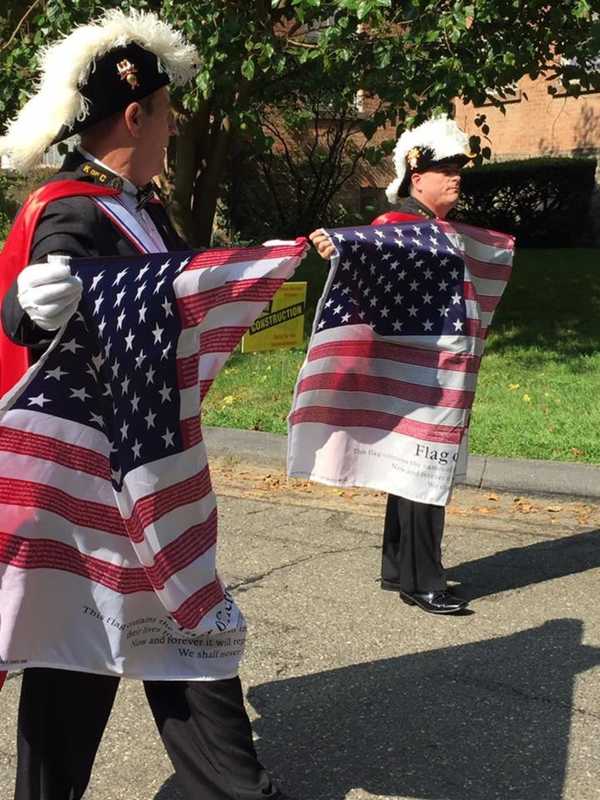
(479, 721)
(526, 566)
(168, 791)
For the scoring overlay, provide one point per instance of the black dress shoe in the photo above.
(441, 602)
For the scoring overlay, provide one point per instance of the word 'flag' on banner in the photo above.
(109, 522)
(384, 396)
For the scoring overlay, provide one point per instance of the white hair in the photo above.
(65, 67)
(440, 134)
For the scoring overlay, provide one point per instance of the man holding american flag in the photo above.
(109, 522)
(394, 357)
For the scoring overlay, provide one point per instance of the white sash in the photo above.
(129, 224)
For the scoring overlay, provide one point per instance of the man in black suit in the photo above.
(428, 160)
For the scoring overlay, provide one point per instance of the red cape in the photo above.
(14, 359)
(390, 217)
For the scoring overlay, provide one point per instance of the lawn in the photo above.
(539, 387)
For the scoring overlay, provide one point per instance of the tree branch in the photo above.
(20, 23)
(306, 45)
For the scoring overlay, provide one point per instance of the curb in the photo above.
(484, 472)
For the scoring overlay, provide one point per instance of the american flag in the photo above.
(384, 396)
(105, 492)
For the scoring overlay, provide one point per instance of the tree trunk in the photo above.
(184, 169)
(193, 181)
(208, 183)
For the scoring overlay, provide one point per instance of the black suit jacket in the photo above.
(76, 227)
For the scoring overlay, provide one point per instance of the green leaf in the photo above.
(248, 69)
(451, 49)
(363, 9)
(582, 9)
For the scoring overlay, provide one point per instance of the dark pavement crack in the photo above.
(508, 688)
(254, 579)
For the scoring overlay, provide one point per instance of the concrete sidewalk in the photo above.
(514, 475)
(355, 696)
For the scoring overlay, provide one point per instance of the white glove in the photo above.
(49, 294)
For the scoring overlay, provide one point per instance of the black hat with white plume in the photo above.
(434, 143)
(93, 73)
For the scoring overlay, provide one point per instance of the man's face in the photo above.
(438, 186)
(157, 126)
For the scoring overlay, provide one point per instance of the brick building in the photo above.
(538, 124)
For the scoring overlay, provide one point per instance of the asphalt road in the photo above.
(355, 695)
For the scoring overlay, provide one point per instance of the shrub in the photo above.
(8, 206)
(14, 188)
(544, 202)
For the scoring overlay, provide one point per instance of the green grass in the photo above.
(539, 387)
(254, 391)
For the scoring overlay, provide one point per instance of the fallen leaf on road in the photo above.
(526, 508)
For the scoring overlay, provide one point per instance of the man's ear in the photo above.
(133, 119)
(415, 180)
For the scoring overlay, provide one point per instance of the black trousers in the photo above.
(411, 558)
(203, 725)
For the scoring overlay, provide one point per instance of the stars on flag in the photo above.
(165, 393)
(168, 438)
(80, 394)
(141, 273)
(409, 282)
(140, 289)
(72, 346)
(129, 341)
(96, 281)
(55, 373)
(119, 277)
(163, 267)
(115, 368)
(149, 419)
(40, 400)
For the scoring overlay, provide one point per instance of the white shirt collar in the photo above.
(128, 186)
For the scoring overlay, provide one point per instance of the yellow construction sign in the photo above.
(282, 323)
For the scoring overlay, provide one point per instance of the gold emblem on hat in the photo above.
(128, 72)
(413, 156)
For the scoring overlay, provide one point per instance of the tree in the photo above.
(415, 55)
(293, 183)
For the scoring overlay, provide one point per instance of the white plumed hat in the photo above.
(437, 141)
(95, 71)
